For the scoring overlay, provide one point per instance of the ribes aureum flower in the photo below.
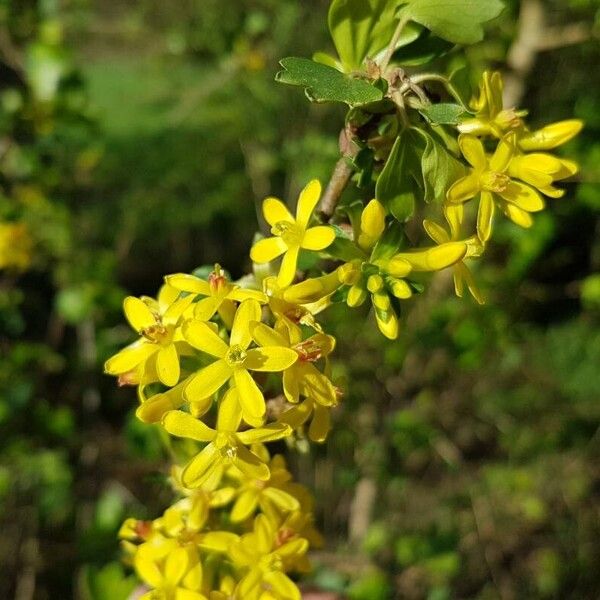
(490, 180)
(291, 234)
(235, 361)
(226, 446)
(462, 274)
(302, 377)
(220, 295)
(266, 559)
(157, 321)
(177, 577)
(491, 117)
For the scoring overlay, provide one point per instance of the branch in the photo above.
(340, 178)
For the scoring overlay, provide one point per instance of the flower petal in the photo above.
(207, 381)
(307, 201)
(281, 499)
(270, 358)
(372, 224)
(183, 425)
(267, 249)
(250, 465)
(188, 283)
(130, 357)
(167, 365)
(147, 570)
(268, 433)
(274, 211)
(264, 335)
(464, 189)
(523, 196)
(504, 153)
(318, 238)
(434, 259)
(436, 232)
(240, 294)
(230, 414)
(218, 541)
(176, 565)
(249, 310)
(287, 271)
(485, 216)
(320, 424)
(291, 385)
(138, 314)
(283, 586)
(205, 309)
(552, 135)
(203, 337)
(251, 399)
(517, 215)
(245, 505)
(472, 149)
(200, 468)
(153, 409)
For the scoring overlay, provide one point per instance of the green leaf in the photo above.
(326, 84)
(458, 21)
(443, 113)
(439, 168)
(363, 28)
(424, 49)
(396, 187)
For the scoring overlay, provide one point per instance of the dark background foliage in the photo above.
(137, 139)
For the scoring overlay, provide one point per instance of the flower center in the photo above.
(271, 563)
(308, 351)
(508, 119)
(157, 333)
(236, 356)
(492, 181)
(290, 233)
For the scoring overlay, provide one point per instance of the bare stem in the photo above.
(337, 184)
(385, 61)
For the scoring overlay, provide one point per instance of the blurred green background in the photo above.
(136, 139)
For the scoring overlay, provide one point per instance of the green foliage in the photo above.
(326, 84)
(362, 29)
(458, 21)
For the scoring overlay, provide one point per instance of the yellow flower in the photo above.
(16, 246)
(320, 423)
(383, 279)
(226, 445)
(177, 577)
(301, 377)
(491, 116)
(220, 294)
(266, 495)
(372, 225)
(462, 274)
(235, 361)
(551, 136)
(541, 170)
(489, 178)
(157, 321)
(266, 561)
(290, 235)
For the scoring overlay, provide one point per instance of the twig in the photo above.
(337, 184)
(385, 61)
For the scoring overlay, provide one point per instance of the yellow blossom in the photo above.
(550, 136)
(462, 274)
(302, 377)
(491, 117)
(291, 234)
(177, 577)
(157, 321)
(218, 294)
(235, 361)
(225, 444)
(266, 561)
(489, 178)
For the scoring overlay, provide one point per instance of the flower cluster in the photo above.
(234, 536)
(230, 366)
